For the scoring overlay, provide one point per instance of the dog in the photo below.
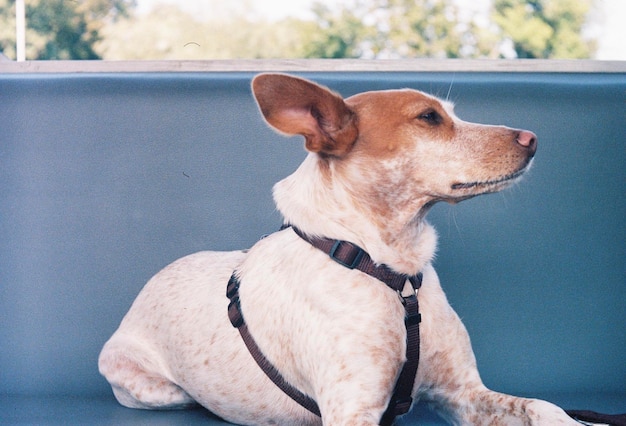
(376, 163)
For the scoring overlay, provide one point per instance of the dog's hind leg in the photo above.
(136, 379)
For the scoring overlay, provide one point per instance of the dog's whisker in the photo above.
(450, 87)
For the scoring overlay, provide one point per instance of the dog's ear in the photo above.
(296, 106)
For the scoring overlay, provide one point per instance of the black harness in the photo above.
(353, 257)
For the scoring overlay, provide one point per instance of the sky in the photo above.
(609, 27)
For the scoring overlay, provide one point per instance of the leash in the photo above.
(353, 257)
(587, 417)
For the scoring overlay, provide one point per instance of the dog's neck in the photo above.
(318, 202)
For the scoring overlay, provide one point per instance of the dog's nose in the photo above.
(528, 140)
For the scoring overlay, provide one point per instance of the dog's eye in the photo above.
(431, 117)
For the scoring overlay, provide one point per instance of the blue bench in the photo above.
(107, 177)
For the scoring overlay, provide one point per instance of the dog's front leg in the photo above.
(353, 413)
(363, 419)
(482, 406)
(469, 402)
(359, 393)
(449, 378)
(356, 376)
(461, 398)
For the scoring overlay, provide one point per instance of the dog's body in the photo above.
(377, 162)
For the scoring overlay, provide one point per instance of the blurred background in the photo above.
(369, 29)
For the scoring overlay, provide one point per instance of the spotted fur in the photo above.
(377, 162)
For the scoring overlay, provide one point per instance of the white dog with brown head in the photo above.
(377, 162)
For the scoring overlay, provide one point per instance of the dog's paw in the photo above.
(545, 413)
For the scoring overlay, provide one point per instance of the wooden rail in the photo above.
(317, 65)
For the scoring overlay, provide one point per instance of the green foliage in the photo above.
(60, 29)
(386, 28)
(433, 28)
(110, 29)
(169, 33)
(544, 28)
(7, 28)
(333, 34)
(426, 28)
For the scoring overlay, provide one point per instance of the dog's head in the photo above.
(396, 146)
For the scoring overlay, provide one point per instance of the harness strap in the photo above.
(352, 257)
(402, 399)
(236, 319)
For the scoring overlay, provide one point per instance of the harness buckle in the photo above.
(350, 265)
(402, 406)
(233, 287)
(413, 316)
(412, 319)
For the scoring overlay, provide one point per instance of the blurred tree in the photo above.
(387, 28)
(60, 29)
(425, 28)
(432, 28)
(170, 33)
(7, 28)
(545, 28)
(333, 34)
(89, 29)
(395, 29)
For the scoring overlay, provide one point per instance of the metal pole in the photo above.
(20, 30)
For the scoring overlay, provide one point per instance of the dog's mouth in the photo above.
(490, 183)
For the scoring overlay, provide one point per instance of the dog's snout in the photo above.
(527, 140)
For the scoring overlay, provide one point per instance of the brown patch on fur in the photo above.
(296, 106)
(390, 120)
